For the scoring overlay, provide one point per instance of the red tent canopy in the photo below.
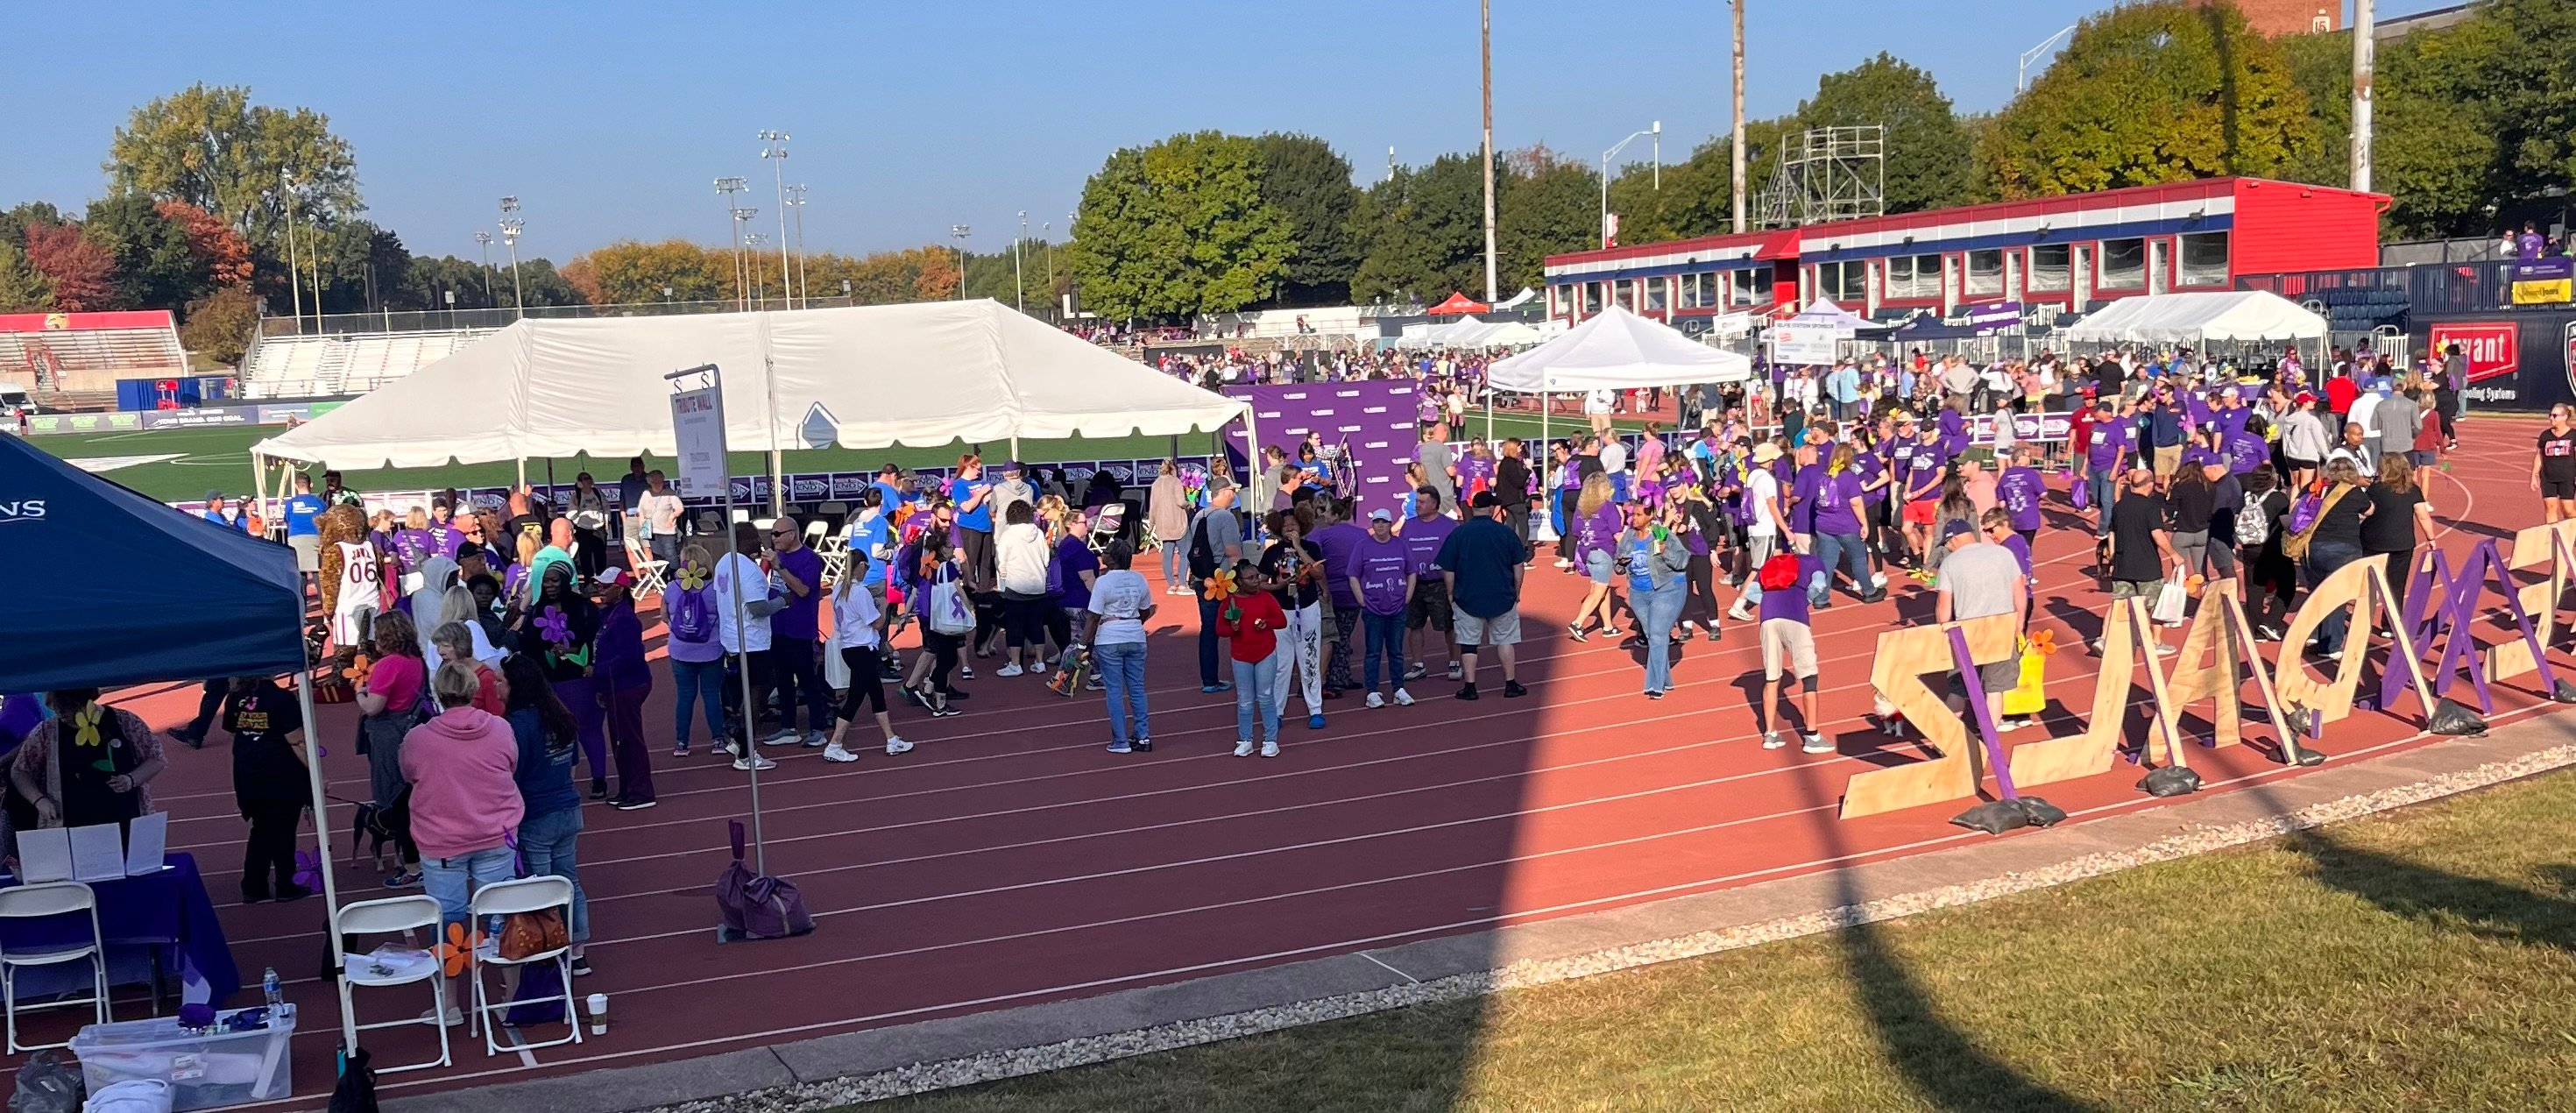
(1459, 303)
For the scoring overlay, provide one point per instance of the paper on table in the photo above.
(98, 853)
(44, 854)
(145, 839)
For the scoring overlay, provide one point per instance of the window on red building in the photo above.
(2124, 264)
(2204, 260)
(2049, 268)
(1751, 287)
(1985, 273)
(1591, 298)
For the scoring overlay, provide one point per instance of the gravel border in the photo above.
(2195, 839)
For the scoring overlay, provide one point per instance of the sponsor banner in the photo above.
(2026, 427)
(2492, 348)
(2543, 281)
(2522, 360)
(1365, 428)
(1804, 344)
(198, 419)
(847, 485)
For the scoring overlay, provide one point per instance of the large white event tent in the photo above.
(920, 375)
(2198, 318)
(1615, 350)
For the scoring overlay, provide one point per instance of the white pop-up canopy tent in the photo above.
(922, 375)
(2198, 318)
(1821, 313)
(1618, 350)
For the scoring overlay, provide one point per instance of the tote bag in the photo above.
(950, 611)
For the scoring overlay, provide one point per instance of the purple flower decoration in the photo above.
(308, 869)
(196, 1014)
(556, 626)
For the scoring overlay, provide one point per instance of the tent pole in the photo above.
(259, 486)
(523, 471)
(777, 483)
(321, 810)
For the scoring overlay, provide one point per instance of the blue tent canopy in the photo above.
(107, 587)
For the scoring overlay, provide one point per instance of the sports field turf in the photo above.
(177, 465)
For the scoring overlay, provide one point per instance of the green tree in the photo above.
(154, 264)
(220, 325)
(1179, 228)
(1544, 208)
(1310, 184)
(212, 148)
(2321, 66)
(2151, 93)
(1928, 157)
(22, 289)
(2444, 138)
(1425, 230)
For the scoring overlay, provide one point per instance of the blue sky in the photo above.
(610, 120)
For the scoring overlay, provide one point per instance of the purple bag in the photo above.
(2304, 513)
(2081, 492)
(755, 906)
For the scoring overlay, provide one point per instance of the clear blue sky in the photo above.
(610, 120)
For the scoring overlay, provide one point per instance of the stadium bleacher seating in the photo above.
(60, 354)
(343, 364)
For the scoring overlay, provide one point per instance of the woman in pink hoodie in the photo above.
(465, 802)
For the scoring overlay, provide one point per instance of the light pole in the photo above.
(1046, 232)
(2021, 77)
(294, 279)
(804, 289)
(1658, 132)
(1019, 278)
(484, 241)
(959, 232)
(776, 155)
(759, 285)
(1485, 27)
(725, 189)
(511, 226)
(744, 265)
(1735, 139)
(2365, 62)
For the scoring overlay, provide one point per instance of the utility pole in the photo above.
(1019, 275)
(959, 232)
(1485, 23)
(804, 289)
(511, 226)
(2364, 61)
(484, 240)
(1737, 140)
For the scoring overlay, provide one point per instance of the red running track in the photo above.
(1009, 860)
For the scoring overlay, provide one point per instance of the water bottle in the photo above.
(269, 988)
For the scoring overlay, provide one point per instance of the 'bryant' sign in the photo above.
(2492, 348)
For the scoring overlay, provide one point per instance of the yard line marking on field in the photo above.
(98, 464)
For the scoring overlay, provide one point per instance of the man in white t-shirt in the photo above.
(1120, 604)
(657, 518)
(1762, 537)
(1596, 406)
(744, 600)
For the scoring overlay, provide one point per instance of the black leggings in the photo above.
(270, 850)
(943, 656)
(867, 685)
(1701, 605)
(1024, 619)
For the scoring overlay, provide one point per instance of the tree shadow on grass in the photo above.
(1941, 1060)
(2486, 907)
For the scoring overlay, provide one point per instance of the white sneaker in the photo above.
(1376, 700)
(1243, 747)
(1270, 749)
(2008, 725)
(455, 1017)
(1878, 579)
(1563, 564)
(1738, 613)
(2163, 650)
(836, 753)
(1457, 671)
(786, 737)
(1007, 670)
(898, 746)
(1403, 698)
(748, 764)
(1772, 740)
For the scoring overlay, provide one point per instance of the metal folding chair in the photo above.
(386, 917)
(45, 901)
(503, 898)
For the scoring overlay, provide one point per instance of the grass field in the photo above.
(183, 464)
(2409, 962)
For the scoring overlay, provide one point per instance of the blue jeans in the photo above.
(1385, 640)
(1256, 696)
(2323, 561)
(1839, 548)
(1657, 610)
(2099, 489)
(691, 680)
(1122, 672)
(547, 842)
(452, 881)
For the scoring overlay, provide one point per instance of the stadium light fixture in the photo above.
(775, 153)
(804, 288)
(484, 241)
(1657, 131)
(725, 189)
(959, 232)
(511, 227)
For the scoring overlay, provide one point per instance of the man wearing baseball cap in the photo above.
(1481, 563)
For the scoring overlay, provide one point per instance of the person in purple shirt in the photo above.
(1837, 513)
(1996, 524)
(1428, 605)
(620, 666)
(1871, 466)
(2114, 447)
(1954, 431)
(1921, 484)
(1381, 580)
(795, 667)
(1789, 650)
(2018, 492)
(1596, 528)
(413, 544)
(2246, 449)
(2230, 414)
(1337, 537)
(1806, 483)
(444, 538)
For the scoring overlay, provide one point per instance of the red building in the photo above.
(2062, 253)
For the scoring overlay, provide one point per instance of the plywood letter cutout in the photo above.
(2362, 585)
(2126, 636)
(1905, 659)
(2554, 545)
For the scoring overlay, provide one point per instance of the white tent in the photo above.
(1618, 350)
(2198, 318)
(923, 375)
(1821, 313)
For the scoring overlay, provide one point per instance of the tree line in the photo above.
(2473, 135)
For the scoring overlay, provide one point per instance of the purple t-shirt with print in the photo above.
(1422, 538)
(2020, 489)
(1833, 504)
(1382, 567)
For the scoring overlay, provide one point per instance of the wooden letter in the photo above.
(1905, 660)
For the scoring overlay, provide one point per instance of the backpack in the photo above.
(1202, 553)
(693, 618)
(1780, 573)
(2303, 522)
(2253, 526)
(755, 906)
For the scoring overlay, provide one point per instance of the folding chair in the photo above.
(43, 902)
(1106, 524)
(386, 917)
(503, 898)
(648, 576)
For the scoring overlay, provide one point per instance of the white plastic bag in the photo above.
(2170, 601)
(134, 1095)
(836, 669)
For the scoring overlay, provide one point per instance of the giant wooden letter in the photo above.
(2220, 631)
(1905, 659)
(2126, 635)
(2554, 545)
(2363, 586)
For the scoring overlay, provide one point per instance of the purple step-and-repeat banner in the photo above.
(1368, 423)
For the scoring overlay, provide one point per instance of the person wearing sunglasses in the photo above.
(795, 633)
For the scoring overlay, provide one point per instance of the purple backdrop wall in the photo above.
(1371, 420)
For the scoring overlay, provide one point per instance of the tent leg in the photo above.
(321, 809)
(523, 472)
(777, 483)
(259, 486)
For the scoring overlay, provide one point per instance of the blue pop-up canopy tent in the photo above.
(107, 587)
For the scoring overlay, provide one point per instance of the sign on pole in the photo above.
(1807, 344)
(697, 427)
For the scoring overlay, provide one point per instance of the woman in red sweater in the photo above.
(1252, 618)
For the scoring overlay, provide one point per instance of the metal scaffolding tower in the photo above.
(1828, 174)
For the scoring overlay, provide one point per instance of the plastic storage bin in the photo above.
(205, 1070)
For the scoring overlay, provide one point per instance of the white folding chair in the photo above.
(648, 576)
(386, 917)
(814, 531)
(503, 898)
(835, 551)
(1106, 525)
(42, 902)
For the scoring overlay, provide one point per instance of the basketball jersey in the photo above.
(360, 578)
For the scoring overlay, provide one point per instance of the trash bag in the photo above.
(2172, 780)
(2450, 718)
(2041, 812)
(356, 1092)
(1993, 817)
(47, 1084)
(2564, 691)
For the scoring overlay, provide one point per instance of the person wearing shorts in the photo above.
(1423, 535)
(2553, 464)
(1480, 567)
(1789, 650)
(1982, 580)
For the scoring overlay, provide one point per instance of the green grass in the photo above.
(206, 459)
(2418, 961)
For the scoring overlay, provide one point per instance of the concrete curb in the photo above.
(913, 1058)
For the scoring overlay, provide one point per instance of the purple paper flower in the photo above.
(556, 626)
(308, 869)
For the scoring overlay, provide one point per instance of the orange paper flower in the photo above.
(458, 951)
(356, 673)
(1219, 586)
(2044, 641)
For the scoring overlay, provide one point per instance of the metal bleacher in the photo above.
(69, 355)
(345, 363)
